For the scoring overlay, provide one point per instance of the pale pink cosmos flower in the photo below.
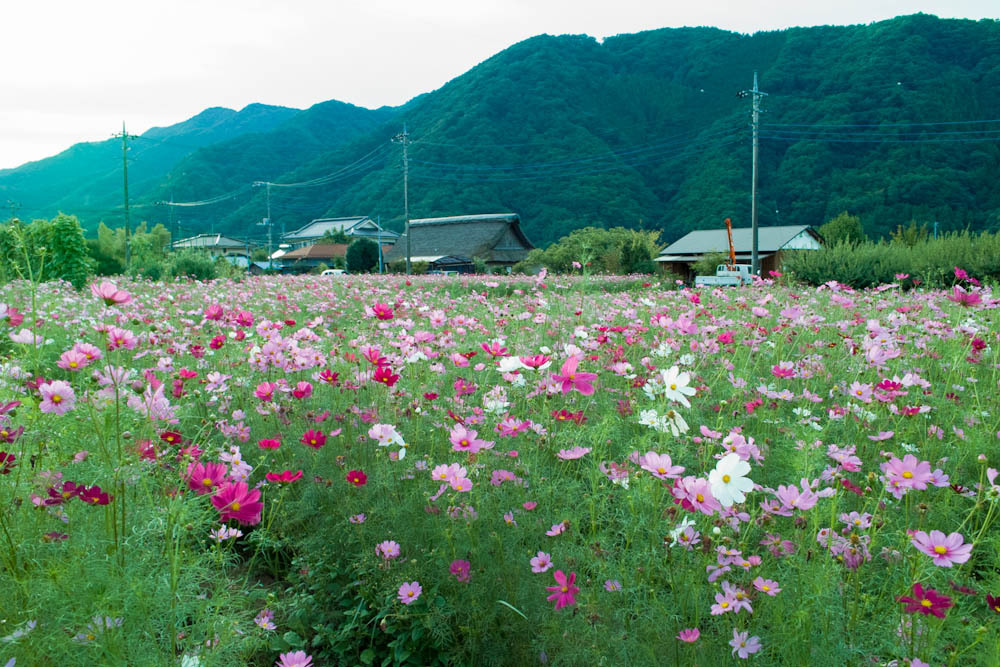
(57, 397)
(660, 465)
(557, 528)
(409, 592)
(744, 645)
(766, 586)
(910, 472)
(695, 495)
(109, 293)
(944, 550)
(541, 563)
(388, 549)
(466, 440)
(575, 453)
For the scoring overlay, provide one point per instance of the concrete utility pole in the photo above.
(267, 221)
(13, 206)
(128, 223)
(755, 94)
(404, 139)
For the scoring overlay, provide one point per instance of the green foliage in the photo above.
(929, 262)
(362, 256)
(617, 250)
(706, 265)
(192, 264)
(845, 228)
(336, 236)
(148, 250)
(911, 235)
(45, 250)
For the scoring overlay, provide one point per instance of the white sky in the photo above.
(74, 70)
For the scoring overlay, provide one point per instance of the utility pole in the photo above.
(267, 221)
(404, 139)
(755, 94)
(128, 223)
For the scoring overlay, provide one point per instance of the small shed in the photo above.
(771, 243)
(496, 238)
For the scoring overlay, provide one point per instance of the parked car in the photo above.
(334, 272)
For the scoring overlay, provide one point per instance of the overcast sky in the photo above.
(73, 71)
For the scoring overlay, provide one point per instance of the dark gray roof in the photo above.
(320, 226)
(769, 239)
(496, 238)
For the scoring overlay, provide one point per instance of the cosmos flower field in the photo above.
(562, 470)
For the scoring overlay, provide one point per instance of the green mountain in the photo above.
(86, 179)
(893, 121)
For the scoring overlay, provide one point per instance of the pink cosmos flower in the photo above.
(294, 659)
(461, 484)
(71, 360)
(575, 453)
(766, 586)
(409, 592)
(945, 551)
(695, 495)
(744, 645)
(564, 591)
(465, 440)
(206, 477)
(556, 529)
(910, 472)
(689, 635)
(118, 337)
(388, 549)
(265, 391)
(57, 397)
(570, 379)
(541, 563)
(927, 602)
(382, 311)
(109, 293)
(660, 465)
(235, 500)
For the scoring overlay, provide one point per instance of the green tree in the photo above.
(845, 228)
(69, 259)
(362, 256)
(337, 236)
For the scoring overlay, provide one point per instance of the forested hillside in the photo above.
(86, 179)
(893, 121)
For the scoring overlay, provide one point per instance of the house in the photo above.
(357, 226)
(310, 256)
(771, 243)
(495, 238)
(217, 245)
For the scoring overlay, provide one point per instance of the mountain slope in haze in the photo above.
(893, 121)
(646, 130)
(86, 179)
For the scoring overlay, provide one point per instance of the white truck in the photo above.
(734, 276)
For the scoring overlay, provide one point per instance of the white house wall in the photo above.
(802, 241)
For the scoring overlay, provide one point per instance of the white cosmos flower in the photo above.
(648, 418)
(511, 364)
(673, 422)
(728, 482)
(676, 386)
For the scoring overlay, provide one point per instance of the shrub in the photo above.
(362, 256)
(192, 264)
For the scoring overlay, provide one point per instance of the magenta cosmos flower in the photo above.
(409, 592)
(206, 477)
(564, 592)
(571, 379)
(944, 550)
(235, 500)
(689, 635)
(57, 397)
(926, 602)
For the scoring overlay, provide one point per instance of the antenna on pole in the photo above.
(755, 94)
(404, 139)
(270, 225)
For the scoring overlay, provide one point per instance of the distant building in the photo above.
(218, 245)
(309, 257)
(771, 243)
(495, 238)
(357, 226)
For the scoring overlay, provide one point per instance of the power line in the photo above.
(943, 122)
